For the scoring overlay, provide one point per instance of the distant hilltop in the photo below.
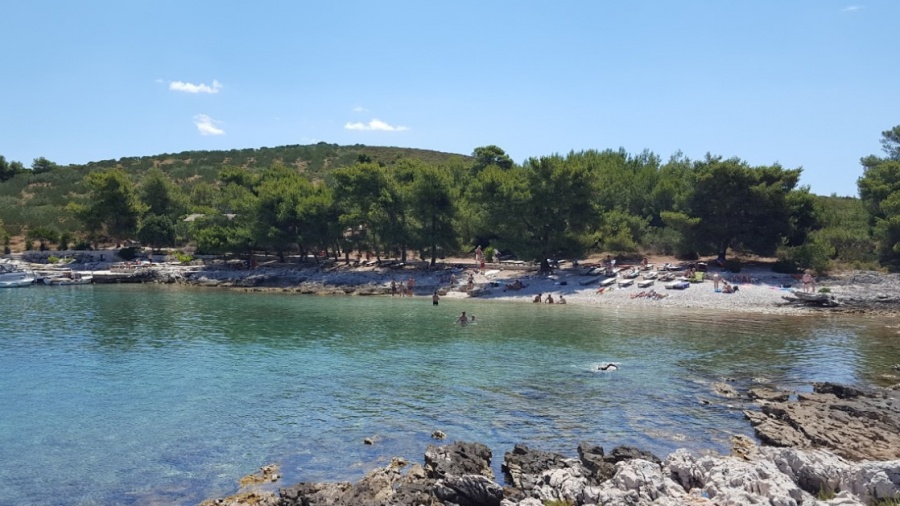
(313, 159)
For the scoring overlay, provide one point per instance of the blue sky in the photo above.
(807, 84)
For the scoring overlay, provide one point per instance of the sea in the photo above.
(161, 394)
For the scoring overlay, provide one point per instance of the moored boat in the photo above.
(11, 276)
(68, 279)
(623, 282)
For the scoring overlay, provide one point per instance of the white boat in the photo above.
(11, 276)
(69, 279)
(633, 273)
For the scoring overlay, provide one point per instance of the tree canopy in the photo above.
(391, 202)
(879, 189)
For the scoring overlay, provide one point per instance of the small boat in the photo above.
(594, 271)
(633, 273)
(677, 285)
(645, 283)
(667, 276)
(69, 279)
(11, 276)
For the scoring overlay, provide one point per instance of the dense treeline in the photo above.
(390, 202)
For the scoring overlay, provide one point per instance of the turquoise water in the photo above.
(123, 394)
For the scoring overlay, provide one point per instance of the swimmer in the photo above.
(608, 367)
(463, 319)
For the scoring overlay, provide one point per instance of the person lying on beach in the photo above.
(515, 285)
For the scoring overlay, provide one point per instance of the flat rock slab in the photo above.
(856, 424)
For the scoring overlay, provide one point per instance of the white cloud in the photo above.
(360, 108)
(851, 8)
(195, 88)
(375, 124)
(207, 125)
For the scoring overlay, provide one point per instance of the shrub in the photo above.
(808, 256)
(128, 253)
(184, 258)
(733, 265)
(785, 266)
(826, 493)
(53, 259)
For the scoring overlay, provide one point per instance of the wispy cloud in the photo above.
(852, 8)
(360, 108)
(375, 124)
(207, 126)
(195, 88)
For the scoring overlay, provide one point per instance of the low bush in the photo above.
(128, 253)
(733, 265)
(785, 266)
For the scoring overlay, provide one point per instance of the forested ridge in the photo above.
(338, 200)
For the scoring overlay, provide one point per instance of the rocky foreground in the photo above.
(835, 446)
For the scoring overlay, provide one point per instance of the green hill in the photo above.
(30, 200)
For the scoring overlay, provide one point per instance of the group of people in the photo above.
(549, 300)
(403, 290)
(726, 287)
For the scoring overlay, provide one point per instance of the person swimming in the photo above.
(609, 366)
(463, 319)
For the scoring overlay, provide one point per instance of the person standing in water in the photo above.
(463, 319)
(435, 298)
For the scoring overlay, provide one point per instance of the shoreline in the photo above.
(760, 291)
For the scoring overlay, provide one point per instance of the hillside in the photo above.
(31, 200)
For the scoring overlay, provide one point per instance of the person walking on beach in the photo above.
(435, 298)
(809, 282)
(479, 257)
(716, 282)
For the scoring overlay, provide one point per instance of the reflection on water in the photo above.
(136, 394)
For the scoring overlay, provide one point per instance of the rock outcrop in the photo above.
(854, 423)
(459, 475)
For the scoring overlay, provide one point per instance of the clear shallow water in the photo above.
(159, 395)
